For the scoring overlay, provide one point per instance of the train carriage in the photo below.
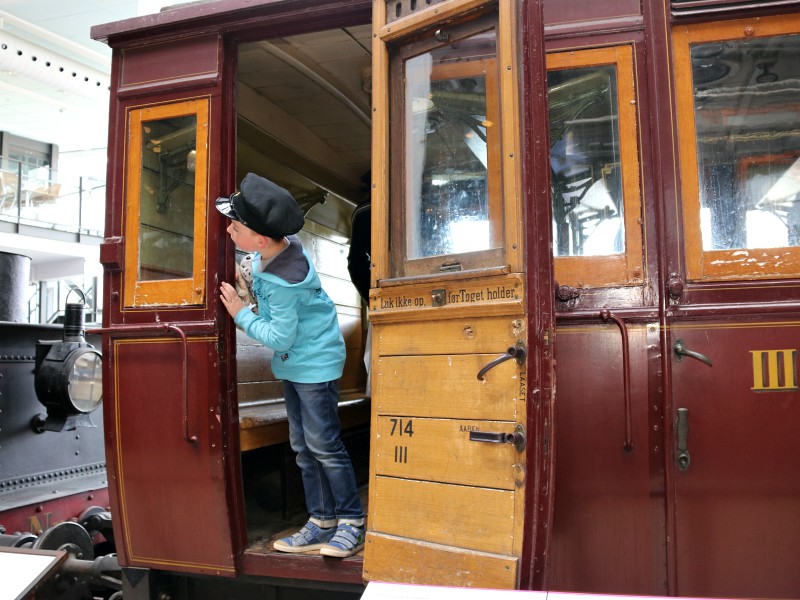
(580, 335)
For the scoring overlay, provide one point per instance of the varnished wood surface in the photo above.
(390, 557)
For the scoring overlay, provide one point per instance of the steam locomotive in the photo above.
(53, 481)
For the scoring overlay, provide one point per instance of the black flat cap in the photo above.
(263, 206)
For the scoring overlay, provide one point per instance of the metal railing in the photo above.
(40, 197)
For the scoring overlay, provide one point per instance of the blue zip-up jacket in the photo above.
(296, 319)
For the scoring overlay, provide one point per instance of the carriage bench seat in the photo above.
(266, 424)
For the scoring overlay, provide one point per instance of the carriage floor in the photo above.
(264, 526)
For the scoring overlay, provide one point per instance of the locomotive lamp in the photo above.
(68, 377)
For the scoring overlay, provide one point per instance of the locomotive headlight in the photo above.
(83, 374)
(68, 377)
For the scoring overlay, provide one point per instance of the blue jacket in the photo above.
(296, 319)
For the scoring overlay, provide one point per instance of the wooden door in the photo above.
(164, 409)
(449, 305)
(608, 530)
(735, 457)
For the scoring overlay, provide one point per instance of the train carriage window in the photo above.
(597, 239)
(166, 199)
(446, 193)
(737, 87)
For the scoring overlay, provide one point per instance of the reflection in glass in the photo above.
(585, 162)
(450, 129)
(166, 210)
(748, 141)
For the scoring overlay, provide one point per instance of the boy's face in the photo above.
(245, 238)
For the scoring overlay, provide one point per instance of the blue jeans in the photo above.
(314, 428)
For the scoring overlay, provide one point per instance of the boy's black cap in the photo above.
(263, 206)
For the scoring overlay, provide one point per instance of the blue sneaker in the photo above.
(348, 540)
(311, 537)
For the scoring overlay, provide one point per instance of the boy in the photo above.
(298, 321)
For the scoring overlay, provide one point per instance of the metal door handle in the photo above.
(682, 430)
(607, 315)
(680, 349)
(518, 438)
(122, 329)
(518, 351)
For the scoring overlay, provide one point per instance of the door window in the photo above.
(740, 148)
(597, 237)
(166, 199)
(446, 194)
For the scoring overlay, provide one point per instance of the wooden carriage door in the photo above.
(734, 328)
(608, 532)
(449, 308)
(165, 412)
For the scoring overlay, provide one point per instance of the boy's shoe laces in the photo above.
(348, 540)
(311, 537)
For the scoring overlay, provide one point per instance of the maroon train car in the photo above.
(576, 369)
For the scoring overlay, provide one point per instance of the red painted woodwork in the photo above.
(559, 12)
(168, 61)
(605, 538)
(736, 506)
(171, 495)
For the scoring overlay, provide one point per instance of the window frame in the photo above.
(180, 291)
(719, 265)
(626, 268)
(395, 45)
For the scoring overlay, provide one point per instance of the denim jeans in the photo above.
(314, 433)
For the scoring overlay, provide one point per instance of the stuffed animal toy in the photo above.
(244, 282)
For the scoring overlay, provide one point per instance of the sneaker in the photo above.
(348, 540)
(311, 537)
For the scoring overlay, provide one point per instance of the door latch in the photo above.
(518, 438)
(682, 429)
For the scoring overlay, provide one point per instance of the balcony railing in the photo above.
(40, 197)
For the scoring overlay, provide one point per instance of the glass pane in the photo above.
(86, 381)
(585, 162)
(450, 130)
(166, 213)
(748, 142)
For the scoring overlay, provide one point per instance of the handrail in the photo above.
(191, 439)
(607, 315)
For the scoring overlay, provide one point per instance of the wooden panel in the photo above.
(456, 515)
(159, 471)
(426, 298)
(428, 16)
(446, 386)
(604, 496)
(389, 558)
(736, 505)
(457, 336)
(440, 450)
(688, 8)
(558, 12)
(185, 59)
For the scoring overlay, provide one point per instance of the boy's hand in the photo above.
(230, 299)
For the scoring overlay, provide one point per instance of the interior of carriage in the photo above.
(304, 122)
